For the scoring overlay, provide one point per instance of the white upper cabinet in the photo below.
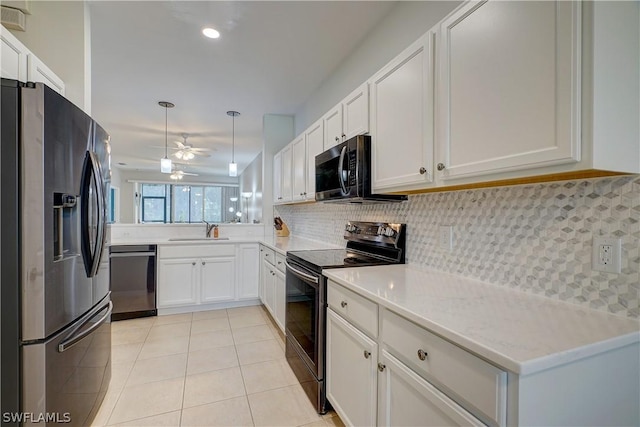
(277, 178)
(315, 145)
(347, 119)
(333, 127)
(37, 71)
(287, 174)
(402, 119)
(509, 87)
(299, 168)
(19, 63)
(355, 112)
(14, 56)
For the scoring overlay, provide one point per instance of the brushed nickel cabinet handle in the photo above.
(441, 166)
(422, 171)
(381, 367)
(422, 355)
(193, 263)
(367, 354)
(343, 304)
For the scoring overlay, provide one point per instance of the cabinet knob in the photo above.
(337, 139)
(381, 366)
(423, 171)
(343, 304)
(441, 166)
(367, 354)
(305, 193)
(422, 355)
(203, 263)
(344, 136)
(193, 263)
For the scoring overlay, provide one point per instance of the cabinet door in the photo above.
(333, 127)
(406, 399)
(351, 375)
(248, 271)
(315, 146)
(402, 131)
(509, 94)
(280, 298)
(355, 112)
(268, 279)
(14, 56)
(299, 173)
(178, 282)
(37, 71)
(287, 174)
(277, 178)
(218, 279)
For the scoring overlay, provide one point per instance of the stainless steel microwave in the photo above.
(343, 174)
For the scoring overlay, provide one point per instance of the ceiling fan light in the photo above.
(178, 154)
(233, 169)
(188, 155)
(165, 165)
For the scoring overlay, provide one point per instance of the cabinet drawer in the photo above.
(196, 251)
(280, 262)
(477, 385)
(356, 309)
(268, 255)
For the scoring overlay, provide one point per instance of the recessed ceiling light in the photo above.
(211, 33)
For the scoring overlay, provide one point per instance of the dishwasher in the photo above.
(133, 281)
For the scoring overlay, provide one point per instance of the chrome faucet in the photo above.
(208, 228)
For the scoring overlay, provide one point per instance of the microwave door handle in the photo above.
(341, 168)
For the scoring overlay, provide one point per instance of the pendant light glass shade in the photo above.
(233, 166)
(165, 163)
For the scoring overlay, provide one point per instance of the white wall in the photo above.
(251, 181)
(56, 33)
(127, 201)
(402, 26)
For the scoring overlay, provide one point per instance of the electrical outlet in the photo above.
(446, 237)
(607, 254)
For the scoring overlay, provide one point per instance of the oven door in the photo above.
(305, 315)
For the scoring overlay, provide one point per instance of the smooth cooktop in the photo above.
(332, 258)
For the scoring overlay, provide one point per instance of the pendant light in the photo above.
(165, 163)
(233, 166)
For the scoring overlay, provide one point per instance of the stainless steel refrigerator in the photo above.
(55, 328)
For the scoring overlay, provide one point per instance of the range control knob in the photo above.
(388, 231)
(351, 228)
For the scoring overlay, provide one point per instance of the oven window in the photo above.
(302, 315)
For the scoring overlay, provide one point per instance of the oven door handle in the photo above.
(302, 274)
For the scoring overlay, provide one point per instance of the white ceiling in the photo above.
(270, 58)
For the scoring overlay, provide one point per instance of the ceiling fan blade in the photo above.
(191, 174)
(202, 149)
(180, 145)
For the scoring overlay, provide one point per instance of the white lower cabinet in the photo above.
(406, 399)
(206, 275)
(351, 372)
(280, 298)
(372, 378)
(218, 279)
(268, 284)
(178, 280)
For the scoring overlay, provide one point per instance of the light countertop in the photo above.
(279, 244)
(521, 332)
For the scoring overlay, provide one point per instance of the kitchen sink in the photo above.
(194, 239)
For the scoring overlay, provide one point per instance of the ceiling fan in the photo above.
(177, 175)
(188, 152)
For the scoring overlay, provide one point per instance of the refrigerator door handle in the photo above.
(74, 339)
(91, 255)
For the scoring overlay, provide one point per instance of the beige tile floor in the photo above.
(213, 368)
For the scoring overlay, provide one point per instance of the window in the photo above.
(112, 205)
(188, 203)
(156, 203)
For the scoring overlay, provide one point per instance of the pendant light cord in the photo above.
(166, 124)
(233, 139)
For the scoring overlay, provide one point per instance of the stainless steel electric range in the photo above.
(368, 243)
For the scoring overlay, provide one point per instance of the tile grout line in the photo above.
(244, 384)
(186, 369)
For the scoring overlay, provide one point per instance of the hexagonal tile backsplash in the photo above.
(536, 238)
